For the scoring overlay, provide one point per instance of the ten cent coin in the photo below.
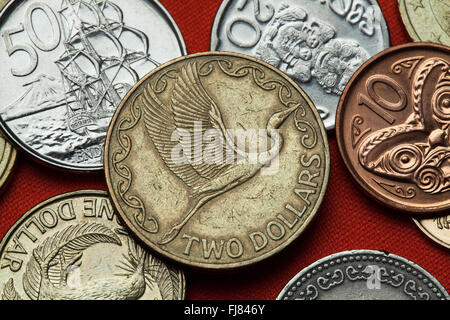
(393, 127)
(67, 66)
(71, 247)
(217, 160)
(319, 44)
(426, 20)
(363, 275)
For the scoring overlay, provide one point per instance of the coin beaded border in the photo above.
(420, 274)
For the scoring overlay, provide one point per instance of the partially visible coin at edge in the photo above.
(319, 44)
(7, 159)
(393, 128)
(363, 275)
(217, 160)
(426, 20)
(72, 247)
(68, 64)
(437, 229)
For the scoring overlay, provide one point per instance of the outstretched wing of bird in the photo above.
(191, 105)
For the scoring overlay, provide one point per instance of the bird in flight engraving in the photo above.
(191, 104)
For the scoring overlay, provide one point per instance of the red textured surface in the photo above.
(347, 219)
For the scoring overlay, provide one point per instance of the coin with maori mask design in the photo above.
(217, 160)
(394, 127)
(319, 44)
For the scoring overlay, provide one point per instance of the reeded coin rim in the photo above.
(49, 161)
(215, 39)
(430, 235)
(411, 210)
(361, 252)
(212, 266)
(68, 195)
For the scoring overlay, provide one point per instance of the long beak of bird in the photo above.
(278, 118)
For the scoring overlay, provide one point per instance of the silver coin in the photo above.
(67, 64)
(319, 43)
(363, 275)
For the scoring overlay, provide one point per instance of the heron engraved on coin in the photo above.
(190, 104)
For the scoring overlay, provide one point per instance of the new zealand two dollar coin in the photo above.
(393, 127)
(72, 247)
(67, 65)
(319, 44)
(217, 160)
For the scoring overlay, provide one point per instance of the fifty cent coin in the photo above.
(217, 160)
(7, 159)
(319, 44)
(68, 64)
(363, 275)
(393, 127)
(71, 247)
(437, 228)
(426, 20)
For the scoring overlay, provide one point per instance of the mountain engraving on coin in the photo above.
(295, 38)
(76, 75)
(401, 140)
(59, 237)
(363, 275)
(195, 100)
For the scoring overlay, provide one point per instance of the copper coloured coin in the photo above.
(393, 127)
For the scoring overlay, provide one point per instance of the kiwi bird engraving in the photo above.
(191, 104)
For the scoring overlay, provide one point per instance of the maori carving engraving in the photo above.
(393, 153)
(307, 49)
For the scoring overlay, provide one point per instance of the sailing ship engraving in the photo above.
(79, 59)
(94, 96)
(91, 83)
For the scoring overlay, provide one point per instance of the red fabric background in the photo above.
(347, 219)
